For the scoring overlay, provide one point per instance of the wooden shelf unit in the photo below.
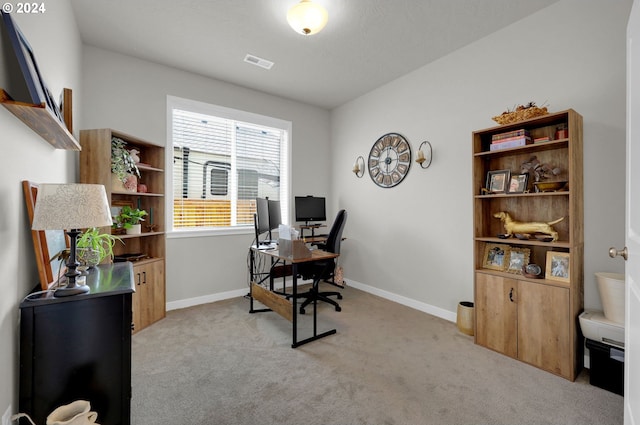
(43, 121)
(149, 273)
(533, 320)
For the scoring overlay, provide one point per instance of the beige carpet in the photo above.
(388, 364)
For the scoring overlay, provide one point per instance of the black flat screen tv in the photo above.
(310, 209)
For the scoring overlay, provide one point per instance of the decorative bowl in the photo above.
(532, 271)
(549, 186)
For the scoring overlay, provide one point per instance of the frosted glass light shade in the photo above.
(307, 17)
(71, 206)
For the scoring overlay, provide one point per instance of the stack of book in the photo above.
(510, 139)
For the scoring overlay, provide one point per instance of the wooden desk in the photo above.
(280, 304)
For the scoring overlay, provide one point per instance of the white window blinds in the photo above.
(220, 165)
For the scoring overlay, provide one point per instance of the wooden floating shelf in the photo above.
(41, 120)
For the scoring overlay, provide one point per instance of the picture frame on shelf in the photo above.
(518, 258)
(116, 207)
(31, 74)
(518, 183)
(117, 204)
(558, 266)
(496, 256)
(497, 181)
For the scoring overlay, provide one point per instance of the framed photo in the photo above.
(557, 266)
(497, 181)
(518, 258)
(496, 256)
(116, 206)
(38, 90)
(518, 183)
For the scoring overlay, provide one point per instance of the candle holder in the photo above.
(358, 167)
(424, 158)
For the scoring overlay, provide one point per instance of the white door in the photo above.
(632, 224)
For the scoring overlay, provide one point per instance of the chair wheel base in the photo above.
(338, 308)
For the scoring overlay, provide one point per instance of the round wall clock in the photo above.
(389, 160)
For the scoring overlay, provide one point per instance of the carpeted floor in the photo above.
(388, 364)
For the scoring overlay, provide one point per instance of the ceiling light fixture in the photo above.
(307, 18)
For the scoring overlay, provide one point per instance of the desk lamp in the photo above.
(71, 207)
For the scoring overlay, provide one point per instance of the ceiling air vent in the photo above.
(254, 60)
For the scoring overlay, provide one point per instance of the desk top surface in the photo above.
(316, 255)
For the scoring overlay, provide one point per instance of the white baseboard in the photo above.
(424, 307)
(206, 299)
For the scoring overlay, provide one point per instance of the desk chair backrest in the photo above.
(335, 235)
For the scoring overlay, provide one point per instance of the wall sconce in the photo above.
(424, 156)
(358, 167)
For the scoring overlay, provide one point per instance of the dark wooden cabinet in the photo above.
(79, 348)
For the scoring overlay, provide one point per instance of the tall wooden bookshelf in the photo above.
(531, 319)
(149, 272)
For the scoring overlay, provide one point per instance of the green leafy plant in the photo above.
(129, 216)
(90, 240)
(102, 243)
(122, 163)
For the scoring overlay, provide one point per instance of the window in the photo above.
(221, 160)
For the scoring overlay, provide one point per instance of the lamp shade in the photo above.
(307, 17)
(71, 206)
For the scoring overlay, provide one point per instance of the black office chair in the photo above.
(323, 270)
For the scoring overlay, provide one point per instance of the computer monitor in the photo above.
(261, 218)
(275, 216)
(310, 208)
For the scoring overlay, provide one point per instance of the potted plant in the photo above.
(92, 247)
(125, 172)
(130, 218)
(92, 243)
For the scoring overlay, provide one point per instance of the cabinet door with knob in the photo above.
(149, 298)
(496, 313)
(524, 320)
(544, 338)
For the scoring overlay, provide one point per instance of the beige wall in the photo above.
(130, 95)
(411, 243)
(25, 156)
(414, 242)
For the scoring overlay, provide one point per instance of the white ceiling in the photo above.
(366, 43)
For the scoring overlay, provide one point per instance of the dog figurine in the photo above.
(511, 226)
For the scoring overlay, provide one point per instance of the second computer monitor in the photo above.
(262, 216)
(275, 217)
(310, 209)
